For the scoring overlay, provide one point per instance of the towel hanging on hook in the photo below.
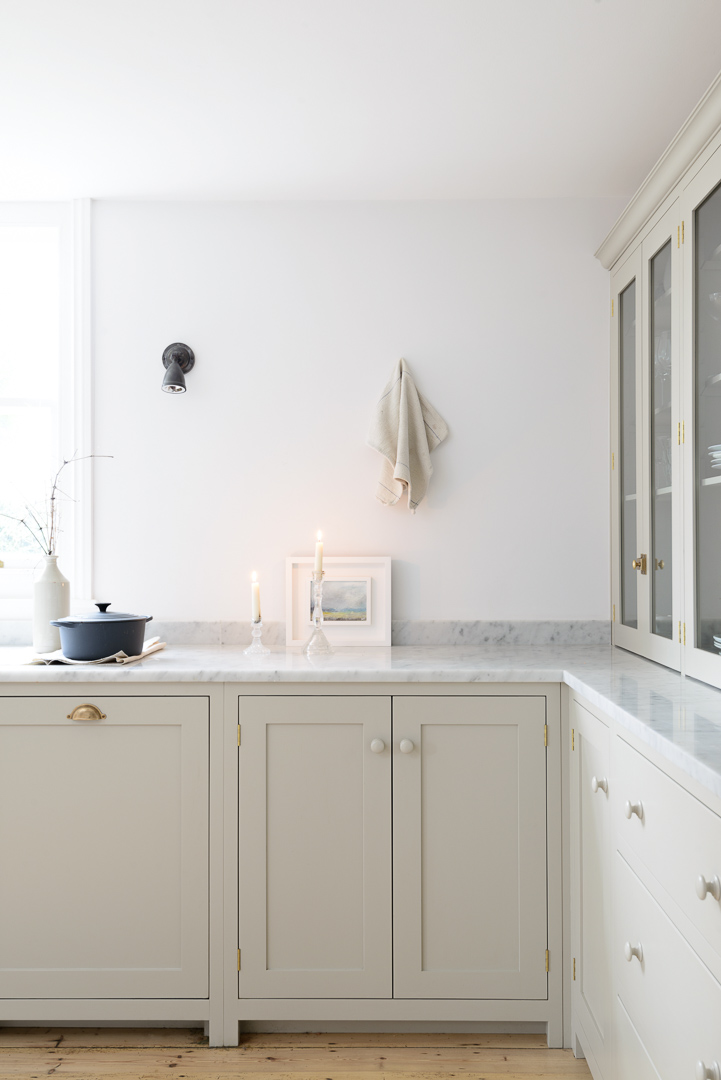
(404, 429)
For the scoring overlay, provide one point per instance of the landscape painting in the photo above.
(345, 600)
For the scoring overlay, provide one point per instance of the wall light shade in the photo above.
(178, 360)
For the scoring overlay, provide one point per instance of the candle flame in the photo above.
(254, 576)
(320, 535)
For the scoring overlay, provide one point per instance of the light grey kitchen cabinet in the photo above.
(315, 847)
(469, 847)
(103, 847)
(591, 885)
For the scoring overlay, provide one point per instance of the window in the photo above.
(40, 383)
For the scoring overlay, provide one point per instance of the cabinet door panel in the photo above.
(591, 880)
(104, 848)
(315, 847)
(469, 828)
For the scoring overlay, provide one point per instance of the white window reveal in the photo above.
(42, 395)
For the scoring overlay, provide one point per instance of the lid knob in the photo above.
(102, 607)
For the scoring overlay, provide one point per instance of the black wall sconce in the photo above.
(178, 360)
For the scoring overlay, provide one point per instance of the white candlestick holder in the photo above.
(256, 648)
(318, 643)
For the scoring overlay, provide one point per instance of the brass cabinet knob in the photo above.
(86, 712)
(640, 563)
(660, 564)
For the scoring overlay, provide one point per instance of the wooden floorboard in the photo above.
(126, 1053)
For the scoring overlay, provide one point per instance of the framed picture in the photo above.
(356, 599)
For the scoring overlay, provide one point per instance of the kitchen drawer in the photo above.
(677, 838)
(670, 996)
(632, 1060)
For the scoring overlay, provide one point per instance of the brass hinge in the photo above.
(684, 633)
(546, 959)
(573, 739)
(238, 734)
(683, 238)
(678, 236)
(613, 462)
(574, 969)
(678, 434)
(614, 612)
(238, 959)
(611, 308)
(679, 631)
(545, 734)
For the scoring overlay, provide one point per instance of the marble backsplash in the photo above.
(405, 632)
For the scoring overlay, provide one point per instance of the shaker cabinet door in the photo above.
(315, 847)
(469, 847)
(104, 847)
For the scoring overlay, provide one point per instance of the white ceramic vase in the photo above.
(51, 600)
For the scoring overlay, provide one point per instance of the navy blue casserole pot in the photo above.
(93, 637)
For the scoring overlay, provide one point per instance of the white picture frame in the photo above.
(374, 630)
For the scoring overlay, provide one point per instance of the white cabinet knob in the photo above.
(599, 785)
(708, 1072)
(633, 808)
(706, 888)
(629, 951)
(378, 746)
(407, 746)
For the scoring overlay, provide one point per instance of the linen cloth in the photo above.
(151, 645)
(405, 429)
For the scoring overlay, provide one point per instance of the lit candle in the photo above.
(319, 553)
(255, 597)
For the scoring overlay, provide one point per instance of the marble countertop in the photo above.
(678, 717)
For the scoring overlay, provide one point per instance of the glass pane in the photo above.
(708, 421)
(661, 474)
(627, 358)
(29, 381)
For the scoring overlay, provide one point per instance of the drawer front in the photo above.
(632, 1060)
(677, 838)
(671, 998)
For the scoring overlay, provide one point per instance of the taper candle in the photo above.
(255, 597)
(319, 553)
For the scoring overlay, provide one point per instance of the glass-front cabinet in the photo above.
(647, 524)
(702, 421)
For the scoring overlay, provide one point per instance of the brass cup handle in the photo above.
(86, 712)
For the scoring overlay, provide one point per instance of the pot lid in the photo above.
(102, 615)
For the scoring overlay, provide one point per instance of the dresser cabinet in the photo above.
(655, 906)
(103, 847)
(664, 254)
(393, 848)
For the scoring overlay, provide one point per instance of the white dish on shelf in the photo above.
(716, 448)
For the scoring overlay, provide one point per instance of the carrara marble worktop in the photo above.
(678, 717)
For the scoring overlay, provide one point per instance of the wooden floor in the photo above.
(147, 1054)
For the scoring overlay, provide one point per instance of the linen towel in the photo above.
(150, 645)
(404, 429)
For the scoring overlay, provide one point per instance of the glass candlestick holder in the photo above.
(318, 643)
(256, 648)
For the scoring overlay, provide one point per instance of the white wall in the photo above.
(297, 313)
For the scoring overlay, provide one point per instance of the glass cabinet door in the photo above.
(707, 426)
(628, 464)
(627, 447)
(647, 526)
(661, 443)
